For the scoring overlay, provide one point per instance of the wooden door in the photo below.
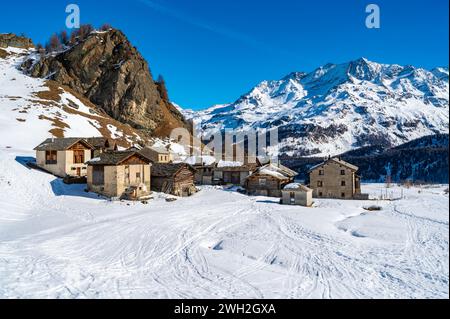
(236, 178)
(78, 171)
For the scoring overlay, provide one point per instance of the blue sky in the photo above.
(211, 52)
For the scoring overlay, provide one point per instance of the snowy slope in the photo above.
(56, 241)
(342, 107)
(32, 110)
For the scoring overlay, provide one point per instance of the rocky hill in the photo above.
(12, 40)
(111, 73)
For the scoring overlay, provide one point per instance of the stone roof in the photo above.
(169, 170)
(98, 142)
(297, 187)
(158, 149)
(114, 158)
(338, 161)
(61, 144)
(276, 170)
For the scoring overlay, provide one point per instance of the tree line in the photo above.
(63, 40)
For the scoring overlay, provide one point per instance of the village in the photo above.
(134, 173)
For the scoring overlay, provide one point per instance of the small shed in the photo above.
(297, 194)
(175, 179)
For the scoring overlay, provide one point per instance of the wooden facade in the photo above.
(269, 180)
(174, 179)
(64, 156)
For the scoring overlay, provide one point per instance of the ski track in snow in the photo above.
(56, 241)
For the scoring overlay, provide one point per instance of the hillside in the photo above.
(340, 107)
(32, 110)
(112, 74)
(422, 160)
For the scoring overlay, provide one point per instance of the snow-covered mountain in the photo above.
(340, 107)
(33, 109)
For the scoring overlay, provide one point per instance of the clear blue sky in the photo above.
(213, 51)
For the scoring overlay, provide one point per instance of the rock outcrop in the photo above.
(113, 75)
(12, 40)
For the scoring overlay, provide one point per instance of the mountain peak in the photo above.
(341, 107)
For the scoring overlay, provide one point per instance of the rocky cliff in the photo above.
(12, 40)
(113, 75)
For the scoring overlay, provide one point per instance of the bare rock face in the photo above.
(112, 74)
(12, 40)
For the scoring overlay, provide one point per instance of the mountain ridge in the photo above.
(339, 107)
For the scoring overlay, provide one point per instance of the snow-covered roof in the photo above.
(336, 160)
(276, 170)
(201, 160)
(222, 164)
(297, 187)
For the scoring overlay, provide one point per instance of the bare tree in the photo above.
(54, 44)
(84, 31)
(64, 37)
(162, 88)
(105, 27)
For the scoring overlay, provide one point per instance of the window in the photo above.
(138, 175)
(342, 183)
(78, 157)
(51, 157)
(262, 182)
(321, 172)
(343, 195)
(320, 194)
(343, 172)
(319, 184)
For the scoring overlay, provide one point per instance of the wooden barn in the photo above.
(204, 168)
(269, 180)
(175, 179)
(232, 172)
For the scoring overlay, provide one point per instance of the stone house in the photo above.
(297, 194)
(335, 178)
(64, 156)
(125, 174)
(174, 179)
(157, 154)
(269, 180)
(101, 145)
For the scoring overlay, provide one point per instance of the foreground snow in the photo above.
(56, 241)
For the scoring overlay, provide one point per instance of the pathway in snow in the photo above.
(56, 241)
